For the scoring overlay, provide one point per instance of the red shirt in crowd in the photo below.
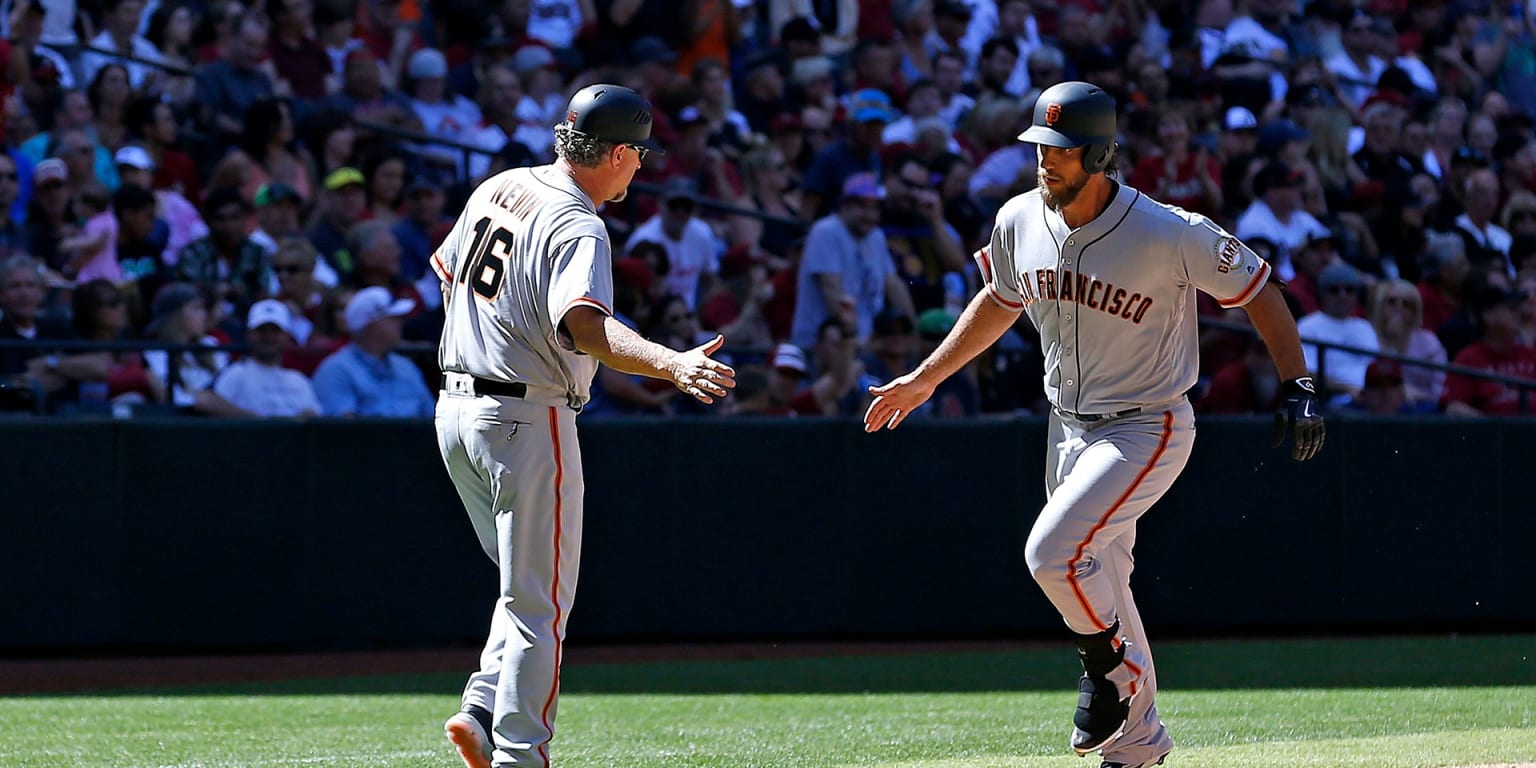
(1437, 308)
(1492, 397)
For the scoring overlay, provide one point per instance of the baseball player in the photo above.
(528, 295)
(1107, 275)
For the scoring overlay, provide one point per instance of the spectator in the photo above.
(268, 150)
(72, 112)
(341, 206)
(50, 215)
(846, 270)
(690, 243)
(260, 384)
(787, 393)
(120, 35)
(92, 254)
(331, 140)
(108, 94)
(957, 396)
(1445, 271)
(1246, 385)
(294, 263)
(13, 233)
(277, 217)
(181, 318)
(1276, 214)
(738, 312)
(1518, 219)
(421, 229)
(858, 153)
(1182, 172)
(385, 170)
(227, 262)
(923, 102)
(226, 88)
(1357, 68)
(365, 96)
(762, 92)
(924, 246)
(892, 347)
(170, 31)
(100, 313)
(500, 93)
(1340, 374)
(77, 151)
(770, 191)
(335, 28)
(365, 377)
(184, 225)
(376, 255)
(143, 251)
(1385, 394)
(443, 114)
(841, 387)
(728, 128)
(1526, 288)
(949, 68)
(153, 122)
(1487, 242)
(1497, 351)
(21, 303)
(1319, 252)
(1397, 314)
(299, 61)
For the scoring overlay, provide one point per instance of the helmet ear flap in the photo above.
(1096, 157)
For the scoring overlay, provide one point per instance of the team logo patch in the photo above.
(1052, 114)
(570, 117)
(1229, 254)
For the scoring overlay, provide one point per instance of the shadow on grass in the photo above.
(1351, 663)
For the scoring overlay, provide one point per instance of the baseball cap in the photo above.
(870, 104)
(531, 57)
(952, 8)
(934, 323)
(785, 122)
(344, 176)
(170, 300)
(689, 116)
(1240, 119)
(1275, 133)
(790, 357)
(651, 48)
(810, 68)
(52, 169)
(1383, 373)
(269, 312)
(427, 62)
(863, 185)
(679, 188)
(422, 183)
(375, 303)
(134, 157)
(275, 192)
(1339, 273)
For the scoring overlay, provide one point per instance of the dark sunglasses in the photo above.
(682, 316)
(9, 176)
(1397, 301)
(288, 269)
(640, 151)
(1338, 289)
(680, 205)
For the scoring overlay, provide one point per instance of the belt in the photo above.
(1093, 418)
(490, 387)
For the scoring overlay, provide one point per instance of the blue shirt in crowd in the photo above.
(353, 382)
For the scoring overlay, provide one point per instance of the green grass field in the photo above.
(1378, 703)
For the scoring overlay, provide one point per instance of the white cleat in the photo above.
(471, 740)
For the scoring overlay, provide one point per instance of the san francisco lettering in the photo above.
(1087, 290)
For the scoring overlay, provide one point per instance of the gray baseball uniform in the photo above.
(528, 247)
(1114, 303)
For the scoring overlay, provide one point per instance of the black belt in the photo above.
(1090, 418)
(490, 387)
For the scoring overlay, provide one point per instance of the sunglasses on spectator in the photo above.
(288, 269)
(1397, 301)
(9, 176)
(1513, 216)
(679, 316)
(1342, 289)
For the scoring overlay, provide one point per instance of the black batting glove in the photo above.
(1298, 417)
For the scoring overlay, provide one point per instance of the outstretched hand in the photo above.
(704, 378)
(894, 401)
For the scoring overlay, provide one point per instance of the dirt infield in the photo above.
(80, 675)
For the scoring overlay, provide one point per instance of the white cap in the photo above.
(270, 312)
(134, 157)
(1240, 119)
(427, 62)
(372, 304)
(791, 357)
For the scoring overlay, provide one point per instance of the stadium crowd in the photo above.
(277, 175)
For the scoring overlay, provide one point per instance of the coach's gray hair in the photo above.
(578, 148)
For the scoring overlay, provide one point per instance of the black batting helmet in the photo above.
(611, 113)
(1076, 114)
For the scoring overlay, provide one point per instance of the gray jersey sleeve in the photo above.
(1220, 265)
(445, 261)
(582, 274)
(996, 261)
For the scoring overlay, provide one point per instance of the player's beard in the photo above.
(1059, 200)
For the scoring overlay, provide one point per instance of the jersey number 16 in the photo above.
(486, 264)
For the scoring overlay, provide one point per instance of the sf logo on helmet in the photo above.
(1052, 114)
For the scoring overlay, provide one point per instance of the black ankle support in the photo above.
(1100, 652)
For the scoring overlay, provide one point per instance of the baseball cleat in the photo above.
(470, 739)
(1100, 716)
